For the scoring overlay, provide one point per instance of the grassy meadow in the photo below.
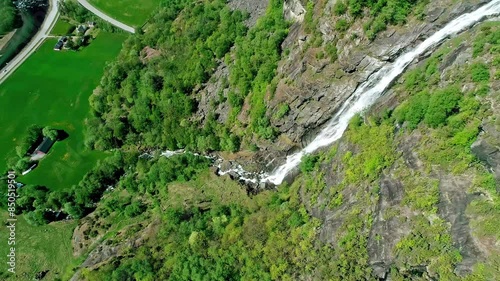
(52, 89)
(131, 12)
(39, 248)
(62, 27)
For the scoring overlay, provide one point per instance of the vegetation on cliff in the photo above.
(396, 196)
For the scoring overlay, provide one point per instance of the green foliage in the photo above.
(377, 152)
(487, 38)
(254, 67)
(134, 209)
(283, 110)
(226, 242)
(339, 8)
(152, 103)
(429, 243)
(308, 163)
(50, 133)
(383, 12)
(308, 18)
(28, 143)
(421, 193)
(434, 109)
(73, 10)
(413, 111)
(480, 72)
(342, 25)
(9, 17)
(442, 104)
(332, 51)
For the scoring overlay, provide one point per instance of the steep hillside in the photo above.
(409, 192)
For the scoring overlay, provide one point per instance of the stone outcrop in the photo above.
(487, 147)
(293, 10)
(315, 88)
(255, 8)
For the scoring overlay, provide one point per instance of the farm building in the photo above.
(81, 28)
(58, 45)
(42, 149)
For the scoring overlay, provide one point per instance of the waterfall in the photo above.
(374, 87)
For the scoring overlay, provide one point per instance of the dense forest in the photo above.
(9, 16)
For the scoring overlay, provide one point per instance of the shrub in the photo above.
(282, 111)
(441, 105)
(339, 8)
(417, 109)
(342, 25)
(332, 51)
(134, 209)
(480, 72)
(308, 163)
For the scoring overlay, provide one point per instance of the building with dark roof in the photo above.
(58, 45)
(42, 149)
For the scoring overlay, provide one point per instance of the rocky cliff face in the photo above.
(315, 88)
(392, 218)
(314, 82)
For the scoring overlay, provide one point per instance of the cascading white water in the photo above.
(375, 86)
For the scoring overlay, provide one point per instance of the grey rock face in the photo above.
(488, 152)
(256, 8)
(293, 10)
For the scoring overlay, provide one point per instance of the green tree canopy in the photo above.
(9, 17)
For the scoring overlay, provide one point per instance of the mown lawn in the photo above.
(131, 12)
(39, 248)
(62, 28)
(52, 89)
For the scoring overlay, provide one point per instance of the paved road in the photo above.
(36, 41)
(105, 17)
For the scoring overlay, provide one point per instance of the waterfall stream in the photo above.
(364, 96)
(374, 87)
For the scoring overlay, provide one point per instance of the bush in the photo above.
(339, 8)
(441, 105)
(282, 111)
(414, 110)
(480, 72)
(50, 132)
(332, 51)
(308, 163)
(342, 25)
(134, 209)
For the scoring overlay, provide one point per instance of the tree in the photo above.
(50, 132)
(9, 18)
(37, 217)
(70, 44)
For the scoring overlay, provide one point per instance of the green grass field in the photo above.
(62, 28)
(39, 248)
(52, 89)
(131, 12)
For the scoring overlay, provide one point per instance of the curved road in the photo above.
(105, 17)
(35, 42)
